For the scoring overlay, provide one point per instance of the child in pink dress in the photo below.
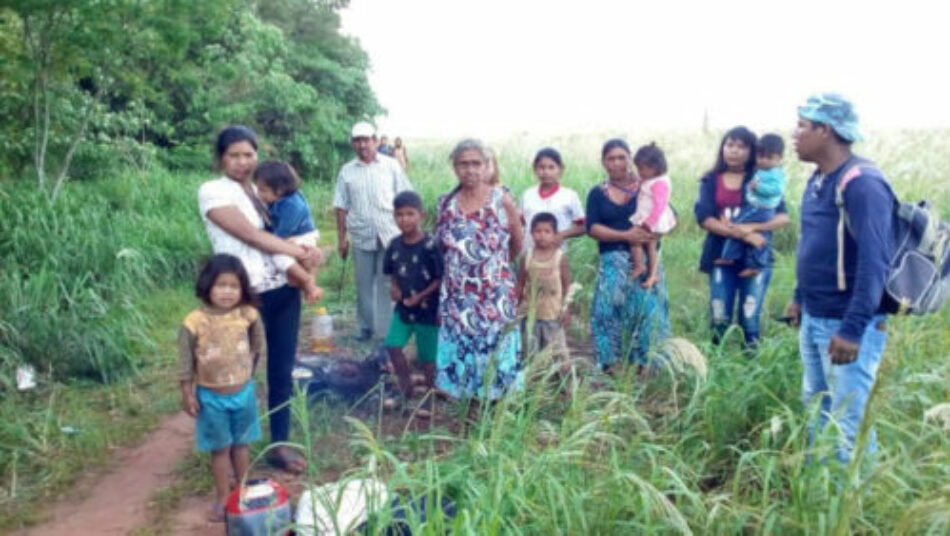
(653, 210)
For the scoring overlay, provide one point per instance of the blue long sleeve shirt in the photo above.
(290, 216)
(769, 189)
(868, 244)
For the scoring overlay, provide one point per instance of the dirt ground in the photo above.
(117, 500)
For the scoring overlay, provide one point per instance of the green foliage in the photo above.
(676, 455)
(72, 270)
(671, 455)
(52, 434)
(119, 80)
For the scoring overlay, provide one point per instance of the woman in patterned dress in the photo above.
(479, 230)
(625, 319)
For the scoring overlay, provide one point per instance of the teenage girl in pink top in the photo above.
(653, 209)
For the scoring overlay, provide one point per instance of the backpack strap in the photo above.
(849, 175)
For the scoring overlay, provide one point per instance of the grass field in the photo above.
(94, 289)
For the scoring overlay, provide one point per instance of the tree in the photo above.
(97, 97)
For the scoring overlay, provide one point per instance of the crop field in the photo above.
(93, 286)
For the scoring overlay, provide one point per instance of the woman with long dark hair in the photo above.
(721, 193)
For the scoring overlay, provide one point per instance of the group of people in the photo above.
(397, 150)
(460, 293)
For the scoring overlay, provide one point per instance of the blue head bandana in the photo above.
(835, 111)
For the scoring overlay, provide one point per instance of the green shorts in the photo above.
(427, 337)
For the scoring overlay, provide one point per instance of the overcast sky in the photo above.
(496, 67)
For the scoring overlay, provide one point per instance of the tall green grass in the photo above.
(679, 455)
(73, 269)
(674, 455)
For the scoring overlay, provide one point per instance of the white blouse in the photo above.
(262, 270)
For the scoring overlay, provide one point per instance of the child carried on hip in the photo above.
(653, 210)
(278, 185)
(762, 197)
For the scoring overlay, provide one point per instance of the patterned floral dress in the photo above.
(479, 345)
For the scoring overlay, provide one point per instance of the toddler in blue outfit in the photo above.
(763, 194)
(289, 214)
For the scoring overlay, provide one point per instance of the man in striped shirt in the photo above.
(365, 189)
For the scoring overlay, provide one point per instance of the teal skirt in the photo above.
(626, 319)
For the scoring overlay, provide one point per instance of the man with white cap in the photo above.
(365, 189)
(839, 294)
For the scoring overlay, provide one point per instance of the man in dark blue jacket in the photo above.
(838, 299)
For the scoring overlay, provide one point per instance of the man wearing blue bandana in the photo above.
(838, 298)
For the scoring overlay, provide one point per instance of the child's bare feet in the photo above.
(216, 513)
(749, 272)
(650, 281)
(637, 270)
(405, 384)
(312, 293)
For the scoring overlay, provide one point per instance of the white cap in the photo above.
(363, 130)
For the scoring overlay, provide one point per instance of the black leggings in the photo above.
(280, 311)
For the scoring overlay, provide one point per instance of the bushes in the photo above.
(185, 158)
(73, 268)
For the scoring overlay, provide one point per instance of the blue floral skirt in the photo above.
(469, 366)
(625, 319)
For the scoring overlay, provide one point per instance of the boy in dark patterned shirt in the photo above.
(414, 265)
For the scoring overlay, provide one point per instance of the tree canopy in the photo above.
(94, 85)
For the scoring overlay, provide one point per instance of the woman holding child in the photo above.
(625, 317)
(723, 191)
(234, 218)
(479, 230)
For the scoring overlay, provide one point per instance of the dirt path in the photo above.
(190, 518)
(116, 502)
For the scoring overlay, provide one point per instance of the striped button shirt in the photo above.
(366, 192)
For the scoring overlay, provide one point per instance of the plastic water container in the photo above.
(321, 332)
(260, 507)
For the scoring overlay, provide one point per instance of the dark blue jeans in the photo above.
(725, 286)
(280, 311)
(751, 257)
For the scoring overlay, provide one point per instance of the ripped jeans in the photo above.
(724, 286)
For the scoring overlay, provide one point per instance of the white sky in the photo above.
(445, 68)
